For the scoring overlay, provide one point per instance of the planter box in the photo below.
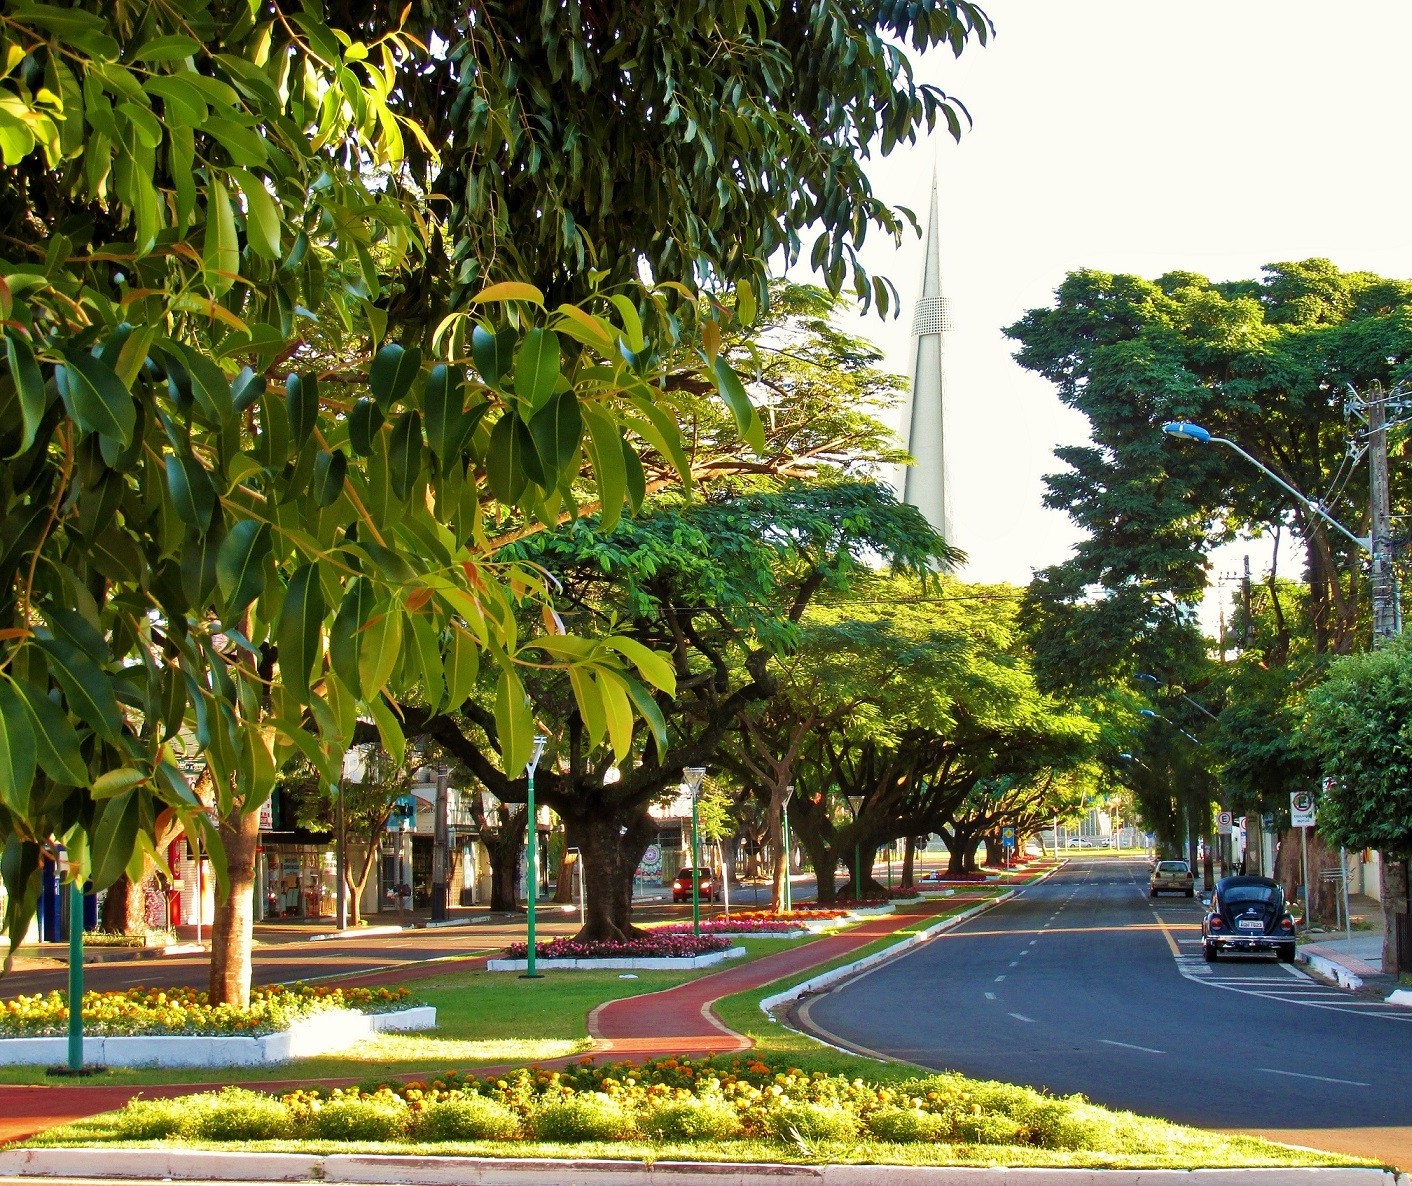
(641, 964)
(323, 1033)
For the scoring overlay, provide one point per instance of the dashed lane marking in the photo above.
(1316, 1078)
(1130, 1046)
(1022, 1017)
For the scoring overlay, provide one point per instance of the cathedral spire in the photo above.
(925, 482)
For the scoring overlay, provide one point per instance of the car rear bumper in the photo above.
(1249, 942)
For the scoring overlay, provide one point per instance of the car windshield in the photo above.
(1248, 893)
(1172, 867)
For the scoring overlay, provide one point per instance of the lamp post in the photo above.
(855, 803)
(1161, 683)
(691, 778)
(787, 898)
(532, 860)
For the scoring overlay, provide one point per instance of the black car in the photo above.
(1248, 914)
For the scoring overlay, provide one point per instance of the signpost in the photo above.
(1223, 823)
(1007, 842)
(1301, 816)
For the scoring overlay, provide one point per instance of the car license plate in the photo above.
(1250, 924)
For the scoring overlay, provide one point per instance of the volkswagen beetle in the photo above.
(1247, 914)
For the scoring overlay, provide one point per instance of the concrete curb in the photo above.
(147, 1165)
(814, 983)
(664, 963)
(1334, 970)
(356, 933)
(1400, 996)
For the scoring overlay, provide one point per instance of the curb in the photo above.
(814, 983)
(172, 1164)
(1332, 969)
(356, 933)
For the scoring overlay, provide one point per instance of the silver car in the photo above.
(1171, 877)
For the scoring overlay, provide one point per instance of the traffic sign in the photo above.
(1007, 836)
(1223, 823)
(1301, 809)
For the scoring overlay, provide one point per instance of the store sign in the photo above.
(267, 816)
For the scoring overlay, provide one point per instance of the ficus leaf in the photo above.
(298, 631)
(494, 353)
(537, 369)
(240, 569)
(18, 751)
(95, 397)
(556, 429)
(363, 424)
(393, 372)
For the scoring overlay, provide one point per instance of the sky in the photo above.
(1139, 136)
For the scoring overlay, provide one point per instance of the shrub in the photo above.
(590, 1116)
(903, 1126)
(468, 1118)
(239, 1115)
(1054, 1124)
(988, 1128)
(370, 1118)
(152, 1120)
(791, 1119)
(709, 1119)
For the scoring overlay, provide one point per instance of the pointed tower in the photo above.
(925, 482)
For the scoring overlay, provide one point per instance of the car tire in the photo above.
(1151, 893)
(1191, 893)
(1286, 953)
(1209, 952)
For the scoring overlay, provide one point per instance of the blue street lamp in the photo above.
(532, 882)
(1196, 704)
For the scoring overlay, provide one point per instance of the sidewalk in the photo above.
(1354, 962)
(676, 1021)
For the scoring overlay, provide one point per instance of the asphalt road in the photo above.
(1083, 983)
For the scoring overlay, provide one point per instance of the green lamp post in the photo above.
(856, 803)
(532, 879)
(787, 898)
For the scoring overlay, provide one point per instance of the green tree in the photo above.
(1357, 722)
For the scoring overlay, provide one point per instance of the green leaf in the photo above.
(443, 400)
(222, 249)
(394, 371)
(262, 220)
(113, 838)
(462, 665)
(115, 782)
(537, 368)
(363, 424)
(246, 389)
(428, 653)
(617, 710)
(29, 384)
(301, 403)
(346, 637)
(18, 751)
(514, 723)
(393, 739)
(199, 553)
(170, 48)
(298, 630)
(606, 455)
(654, 667)
(733, 394)
(193, 493)
(493, 353)
(405, 452)
(56, 740)
(509, 460)
(330, 471)
(509, 290)
(636, 477)
(381, 647)
(556, 430)
(240, 566)
(95, 397)
(86, 687)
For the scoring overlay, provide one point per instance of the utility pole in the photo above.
(1245, 598)
(439, 849)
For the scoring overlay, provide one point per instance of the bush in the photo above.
(709, 1119)
(239, 1115)
(152, 1120)
(371, 1118)
(792, 1119)
(591, 1116)
(988, 1128)
(903, 1126)
(1053, 1124)
(468, 1118)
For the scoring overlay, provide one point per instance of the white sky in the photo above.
(1135, 136)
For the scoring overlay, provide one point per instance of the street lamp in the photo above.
(856, 803)
(691, 778)
(1161, 683)
(532, 881)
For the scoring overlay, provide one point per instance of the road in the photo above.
(1085, 984)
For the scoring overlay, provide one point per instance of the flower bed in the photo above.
(180, 1011)
(676, 1100)
(735, 924)
(799, 914)
(653, 946)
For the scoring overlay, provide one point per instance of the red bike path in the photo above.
(673, 1022)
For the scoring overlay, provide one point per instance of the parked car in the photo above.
(707, 887)
(1248, 914)
(1171, 877)
(933, 877)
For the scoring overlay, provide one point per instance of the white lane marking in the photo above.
(990, 996)
(1033, 942)
(1014, 963)
(1317, 1078)
(1031, 1020)
(1130, 1046)
(1024, 953)
(999, 978)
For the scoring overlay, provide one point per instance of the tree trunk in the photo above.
(1395, 909)
(909, 858)
(125, 907)
(610, 859)
(564, 883)
(779, 858)
(503, 845)
(232, 927)
(355, 877)
(994, 850)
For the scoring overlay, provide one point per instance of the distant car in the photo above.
(1080, 842)
(1171, 877)
(932, 878)
(707, 889)
(1248, 914)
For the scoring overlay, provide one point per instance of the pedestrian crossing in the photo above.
(1283, 983)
